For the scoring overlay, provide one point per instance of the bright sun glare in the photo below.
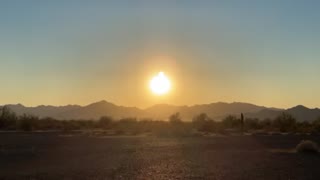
(160, 84)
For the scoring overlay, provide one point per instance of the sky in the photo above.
(78, 52)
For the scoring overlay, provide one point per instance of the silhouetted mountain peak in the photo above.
(301, 106)
(21, 105)
(298, 107)
(15, 105)
(101, 103)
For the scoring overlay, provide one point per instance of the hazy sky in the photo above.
(76, 52)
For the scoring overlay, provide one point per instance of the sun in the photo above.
(160, 84)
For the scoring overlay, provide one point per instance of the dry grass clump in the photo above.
(307, 146)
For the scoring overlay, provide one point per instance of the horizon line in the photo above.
(143, 108)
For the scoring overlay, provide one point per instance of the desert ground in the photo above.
(53, 155)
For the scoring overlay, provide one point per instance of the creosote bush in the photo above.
(203, 123)
(285, 122)
(307, 146)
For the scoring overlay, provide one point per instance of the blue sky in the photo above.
(61, 52)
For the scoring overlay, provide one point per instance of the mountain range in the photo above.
(216, 111)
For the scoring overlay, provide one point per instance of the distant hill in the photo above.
(42, 111)
(213, 110)
(303, 113)
(98, 109)
(216, 111)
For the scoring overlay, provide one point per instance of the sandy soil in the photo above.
(52, 156)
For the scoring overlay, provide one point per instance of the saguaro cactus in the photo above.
(242, 122)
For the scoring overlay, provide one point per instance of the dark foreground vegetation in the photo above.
(201, 124)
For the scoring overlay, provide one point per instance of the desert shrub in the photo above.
(231, 122)
(28, 122)
(128, 125)
(175, 119)
(304, 127)
(86, 124)
(158, 127)
(8, 118)
(219, 127)
(169, 129)
(145, 125)
(285, 122)
(307, 146)
(252, 123)
(200, 120)
(266, 124)
(70, 125)
(316, 125)
(105, 122)
(209, 126)
(48, 123)
(203, 123)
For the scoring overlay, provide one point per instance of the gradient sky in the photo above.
(77, 52)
